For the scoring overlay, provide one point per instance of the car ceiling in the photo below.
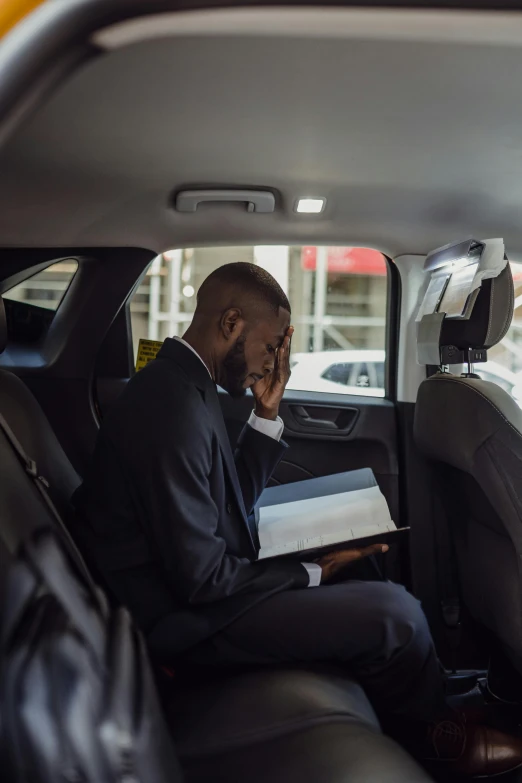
(414, 143)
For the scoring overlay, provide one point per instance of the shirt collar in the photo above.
(181, 340)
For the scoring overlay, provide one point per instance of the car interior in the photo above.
(129, 128)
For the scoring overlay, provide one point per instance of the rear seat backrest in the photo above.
(30, 425)
(21, 506)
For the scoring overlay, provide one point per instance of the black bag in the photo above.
(78, 703)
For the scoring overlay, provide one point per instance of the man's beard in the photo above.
(235, 370)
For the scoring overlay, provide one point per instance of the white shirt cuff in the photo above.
(274, 429)
(314, 572)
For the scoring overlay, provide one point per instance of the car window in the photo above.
(366, 375)
(378, 368)
(339, 373)
(45, 288)
(338, 297)
(31, 304)
(505, 359)
(493, 378)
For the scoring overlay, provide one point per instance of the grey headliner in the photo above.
(413, 145)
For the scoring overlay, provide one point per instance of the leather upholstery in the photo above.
(205, 725)
(96, 694)
(22, 508)
(471, 408)
(471, 431)
(285, 725)
(27, 420)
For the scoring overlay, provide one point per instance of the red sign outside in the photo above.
(347, 260)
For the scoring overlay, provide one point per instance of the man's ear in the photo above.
(232, 323)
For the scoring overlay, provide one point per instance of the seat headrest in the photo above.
(3, 326)
(490, 318)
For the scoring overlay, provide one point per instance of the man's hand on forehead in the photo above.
(268, 392)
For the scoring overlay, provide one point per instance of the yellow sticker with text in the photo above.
(147, 351)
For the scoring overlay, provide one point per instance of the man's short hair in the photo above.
(251, 280)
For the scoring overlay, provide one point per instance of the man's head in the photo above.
(241, 318)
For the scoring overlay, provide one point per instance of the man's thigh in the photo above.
(347, 622)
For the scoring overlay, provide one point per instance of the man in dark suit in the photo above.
(163, 515)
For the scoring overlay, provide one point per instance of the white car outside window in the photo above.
(339, 372)
(362, 373)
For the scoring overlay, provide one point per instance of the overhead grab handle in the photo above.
(256, 200)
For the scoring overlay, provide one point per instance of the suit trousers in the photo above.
(376, 631)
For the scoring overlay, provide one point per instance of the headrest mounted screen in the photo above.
(468, 305)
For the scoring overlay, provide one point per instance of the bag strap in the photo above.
(42, 485)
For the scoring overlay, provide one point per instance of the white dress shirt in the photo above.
(274, 429)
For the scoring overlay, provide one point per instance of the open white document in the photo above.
(319, 522)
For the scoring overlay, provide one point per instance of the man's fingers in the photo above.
(341, 556)
(283, 356)
(374, 549)
(349, 555)
(334, 562)
(280, 365)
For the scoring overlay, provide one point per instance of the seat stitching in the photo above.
(476, 391)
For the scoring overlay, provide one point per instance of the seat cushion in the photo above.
(284, 725)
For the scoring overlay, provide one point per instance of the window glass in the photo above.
(46, 288)
(31, 305)
(492, 377)
(338, 373)
(504, 365)
(338, 298)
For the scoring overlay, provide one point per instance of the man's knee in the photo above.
(398, 616)
(398, 603)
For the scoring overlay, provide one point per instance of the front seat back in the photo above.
(21, 505)
(471, 432)
(28, 421)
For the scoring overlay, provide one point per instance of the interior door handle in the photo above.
(305, 418)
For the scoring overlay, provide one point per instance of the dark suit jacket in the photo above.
(163, 512)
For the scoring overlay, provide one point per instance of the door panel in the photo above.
(316, 421)
(364, 435)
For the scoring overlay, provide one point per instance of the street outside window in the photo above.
(338, 298)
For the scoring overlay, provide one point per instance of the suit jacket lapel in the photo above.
(212, 400)
(174, 349)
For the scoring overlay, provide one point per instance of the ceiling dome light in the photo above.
(310, 206)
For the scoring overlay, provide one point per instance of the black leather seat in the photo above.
(286, 726)
(270, 725)
(471, 432)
